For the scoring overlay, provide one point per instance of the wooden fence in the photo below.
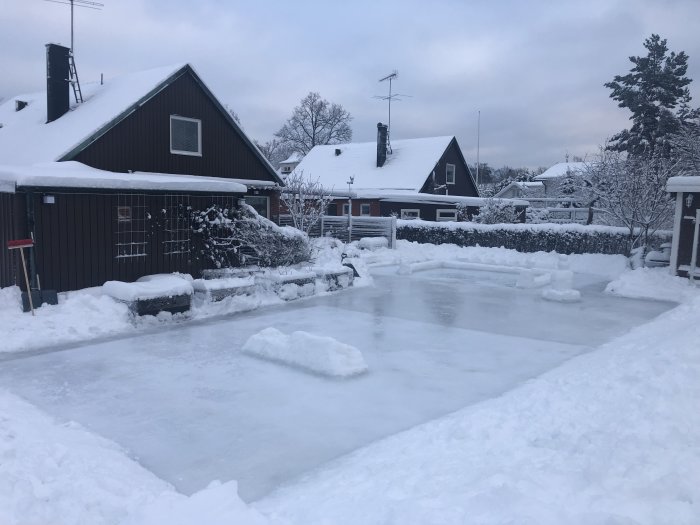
(351, 228)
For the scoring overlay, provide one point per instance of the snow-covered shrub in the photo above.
(561, 238)
(497, 211)
(229, 237)
(537, 215)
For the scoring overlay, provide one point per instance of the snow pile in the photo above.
(373, 243)
(562, 290)
(150, 287)
(609, 437)
(323, 355)
(654, 283)
(226, 283)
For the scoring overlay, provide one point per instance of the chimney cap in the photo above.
(380, 125)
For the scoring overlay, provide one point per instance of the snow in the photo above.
(390, 195)
(73, 174)
(406, 168)
(655, 283)
(609, 437)
(373, 243)
(205, 285)
(683, 184)
(26, 139)
(319, 354)
(561, 169)
(149, 287)
(561, 296)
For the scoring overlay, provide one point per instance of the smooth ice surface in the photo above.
(192, 408)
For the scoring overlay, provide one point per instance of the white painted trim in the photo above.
(409, 210)
(675, 240)
(199, 136)
(454, 173)
(345, 210)
(447, 210)
(267, 202)
(369, 209)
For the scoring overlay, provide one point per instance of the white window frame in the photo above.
(267, 202)
(346, 209)
(369, 209)
(198, 153)
(452, 212)
(454, 174)
(405, 211)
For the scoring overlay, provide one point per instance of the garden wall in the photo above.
(561, 238)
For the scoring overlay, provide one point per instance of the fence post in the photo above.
(392, 240)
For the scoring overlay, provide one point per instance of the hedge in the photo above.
(561, 238)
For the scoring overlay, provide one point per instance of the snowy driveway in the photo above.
(190, 407)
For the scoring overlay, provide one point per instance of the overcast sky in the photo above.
(535, 69)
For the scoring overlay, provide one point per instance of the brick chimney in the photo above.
(382, 130)
(57, 82)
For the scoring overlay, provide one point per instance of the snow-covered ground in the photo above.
(611, 436)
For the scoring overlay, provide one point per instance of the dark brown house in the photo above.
(685, 248)
(101, 185)
(426, 178)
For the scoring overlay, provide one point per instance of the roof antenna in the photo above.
(392, 96)
(89, 4)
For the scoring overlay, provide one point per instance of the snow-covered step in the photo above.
(153, 294)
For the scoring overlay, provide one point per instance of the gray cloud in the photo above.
(535, 69)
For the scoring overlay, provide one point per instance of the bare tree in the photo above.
(274, 151)
(306, 200)
(315, 121)
(632, 192)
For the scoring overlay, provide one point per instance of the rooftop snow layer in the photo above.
(681, 184)
(561, 169)
(406, 168)
(73, 174)
(26, 138)
(428, 198)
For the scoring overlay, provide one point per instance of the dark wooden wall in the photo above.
(12, 212)
(76, 240)
(141, 142)
(463, 186)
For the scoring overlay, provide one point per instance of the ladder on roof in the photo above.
(74, 82)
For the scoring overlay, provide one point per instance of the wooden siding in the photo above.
(141, 142)
(76, 239)
(463, 186)
(10, 212)
(685, 241)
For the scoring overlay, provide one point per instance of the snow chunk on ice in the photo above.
(320, 354)
(561, 296)
(149, 287)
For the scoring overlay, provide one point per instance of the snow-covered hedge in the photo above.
(561, 238)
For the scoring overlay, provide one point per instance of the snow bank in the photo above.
(612, 436)
(373, 243)
(150, 287)
(206, 285)
(323, 355)
(653, 283)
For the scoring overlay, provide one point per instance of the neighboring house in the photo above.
(287, 166)
(521, 190)
(419, 178)
(553, 177)
(685, 248)
(102, 185)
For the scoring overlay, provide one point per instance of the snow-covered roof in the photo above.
(525, 187)
(424, 198)
(26, 138)
(683, 184)
(561, 169)
(73, 174)
(406, 168)
(293, 158)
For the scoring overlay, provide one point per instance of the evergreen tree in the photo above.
(656, 92)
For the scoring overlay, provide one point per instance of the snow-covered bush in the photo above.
(561, 238)
(229, 237)
(537, 215)
(497, 211)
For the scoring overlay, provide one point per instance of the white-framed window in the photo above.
(346, 209)
(450, 174)
(130, 226)
(410, 213)
(185, 136)
(364, 209)
(259, 203)
(446, 215)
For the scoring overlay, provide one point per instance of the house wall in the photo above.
(687, 230)
(428, 212)
(141, 142)
(336, 207)
(12, 212)
(464, 186)
(77, 236)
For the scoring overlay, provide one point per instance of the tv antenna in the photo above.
(88, 4)
(391, 96)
